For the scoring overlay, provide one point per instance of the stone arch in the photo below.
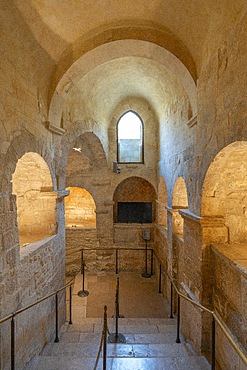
(134, 189)
(162, 202)
(179, 201)
(36, 202)
(74, 70)
(82, 137)
(132, 30)
(19, 146)
(224, 194)
(80, 209)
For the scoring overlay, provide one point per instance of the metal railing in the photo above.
(215, 319)
(112, 337)
(13, 315)
(180, 295)
(82, 252)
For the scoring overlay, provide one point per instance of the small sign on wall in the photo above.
(146, 234)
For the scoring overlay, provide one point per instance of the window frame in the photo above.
(142, 138)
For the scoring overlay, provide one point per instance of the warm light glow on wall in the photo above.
(80, 209)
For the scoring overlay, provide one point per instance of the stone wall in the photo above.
(126, 237)
(229, 300)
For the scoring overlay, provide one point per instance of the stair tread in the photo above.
(120, 350)
(77, 363)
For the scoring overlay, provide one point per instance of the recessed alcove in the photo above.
(80, 209)
(36, 201)
(135, 191)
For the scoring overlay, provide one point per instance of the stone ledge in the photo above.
(193, 121)
(54, 129)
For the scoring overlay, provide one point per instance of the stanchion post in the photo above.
(152, 262)
(178, 321)
(83, 292)
(146, 274)
(116, 261)
(13, 343)
(160, 280)
(117, 312)
(117, 337)
(105, 340)
(213, 361)
(70, 304)
(171, 303)
(82, 260)
(56, 338)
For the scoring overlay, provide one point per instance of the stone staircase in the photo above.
(150, 345)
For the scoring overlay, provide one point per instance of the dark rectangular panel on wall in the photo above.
(134, 212)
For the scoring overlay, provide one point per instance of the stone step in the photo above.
(150, 344)
(90, 349)
(76, 337)
(74, 363)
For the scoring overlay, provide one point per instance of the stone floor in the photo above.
(149, 332)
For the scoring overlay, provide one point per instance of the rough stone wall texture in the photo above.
(34, 57)
(229, 299)
(97, 259)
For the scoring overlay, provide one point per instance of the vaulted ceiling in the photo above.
(138, 48)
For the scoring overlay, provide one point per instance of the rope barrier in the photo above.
(103, 340)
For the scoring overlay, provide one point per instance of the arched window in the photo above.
(130, 138)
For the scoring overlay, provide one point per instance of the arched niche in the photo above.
(80, 209)
(36, 201)
(224, 193)
(162, 202)
(179, 201)
(134, 190)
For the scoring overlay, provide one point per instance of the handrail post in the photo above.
(178, 321)
(13, 343)
(160, 280)
(56, 338)
(213, 345)
(171, 303)
(104, 340)
(116, 261)
(70, 304)
(152, 262)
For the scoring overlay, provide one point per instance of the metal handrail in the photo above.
(214, 316)
(81, 250)
(15, 313)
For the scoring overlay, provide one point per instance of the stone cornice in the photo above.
(62, 193)
(54, 129)
(205, 221)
